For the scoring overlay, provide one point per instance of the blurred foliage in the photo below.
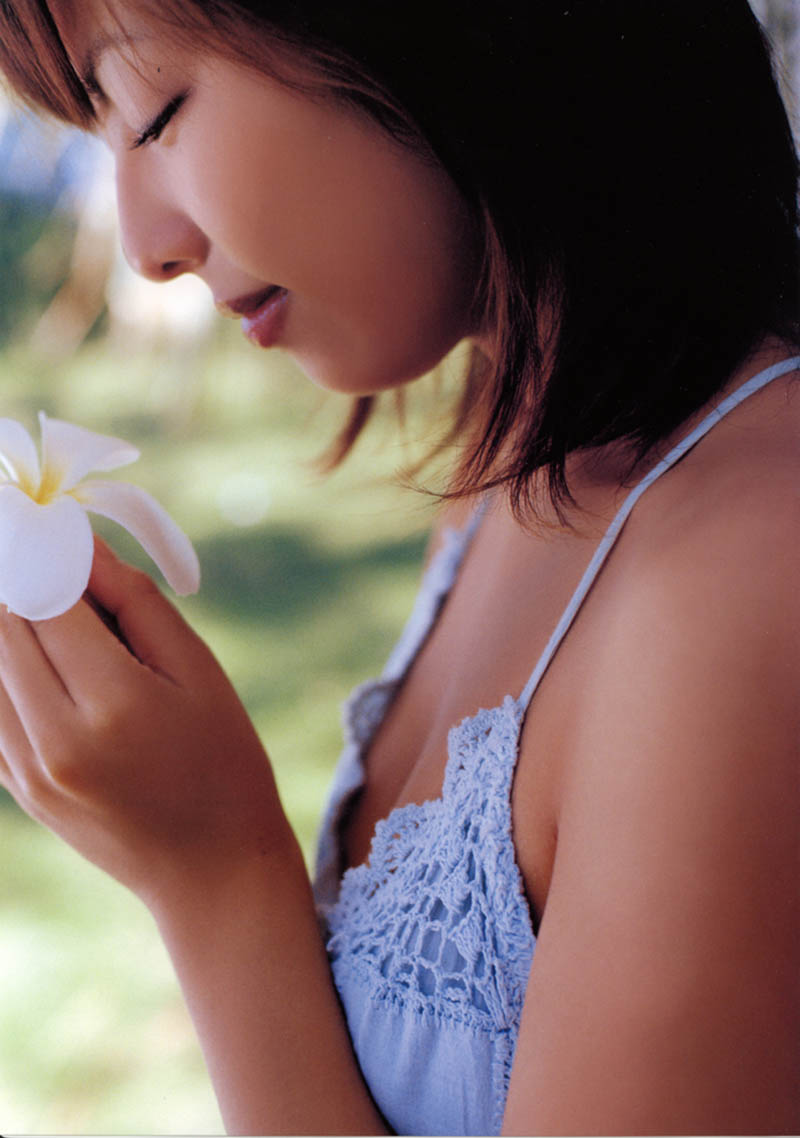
(35, 245)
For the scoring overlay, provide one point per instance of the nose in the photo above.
(159, 238)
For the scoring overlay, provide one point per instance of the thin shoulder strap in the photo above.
(612, 533)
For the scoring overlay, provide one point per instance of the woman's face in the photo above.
(228, 174)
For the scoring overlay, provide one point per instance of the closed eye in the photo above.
(153, 131)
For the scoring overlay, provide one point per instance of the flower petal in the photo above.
(18, 455)
(45, 554)
(150, 524)
(70, 452)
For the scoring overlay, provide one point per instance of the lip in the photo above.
(261, 312)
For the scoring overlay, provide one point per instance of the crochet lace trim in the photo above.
(437, 920)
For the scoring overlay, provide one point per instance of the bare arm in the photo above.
(664, 996)
(151, 769)
(253, 970)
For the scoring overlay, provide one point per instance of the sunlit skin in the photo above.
(655, 805)
(371, 241)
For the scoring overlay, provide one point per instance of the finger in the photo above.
(89, 661)
(15, 750)
(33, 699)
(153, 628)
(108, 620)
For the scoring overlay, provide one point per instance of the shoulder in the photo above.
(700, 662)
(664, 990)
(694, 697)
(712, 559)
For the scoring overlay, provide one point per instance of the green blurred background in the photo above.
(306, 583)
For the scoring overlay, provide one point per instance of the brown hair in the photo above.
(38, 67)
(637, 205)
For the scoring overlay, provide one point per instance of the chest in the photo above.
(494, 624)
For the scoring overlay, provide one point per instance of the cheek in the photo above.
(373, 244)
(243, 202)
(312, 188)
(400, 331)
(399, 293)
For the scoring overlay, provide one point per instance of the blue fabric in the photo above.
(431, 942)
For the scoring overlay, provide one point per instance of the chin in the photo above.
(371, 377)
(354, 380)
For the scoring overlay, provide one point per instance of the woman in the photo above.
(600, 199)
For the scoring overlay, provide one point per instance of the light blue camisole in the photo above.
(431, 942)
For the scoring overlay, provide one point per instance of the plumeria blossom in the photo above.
(46, 546)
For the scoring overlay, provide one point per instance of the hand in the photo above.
(144, 760)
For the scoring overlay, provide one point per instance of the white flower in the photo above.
(46, 546)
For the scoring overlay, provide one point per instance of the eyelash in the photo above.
(153, 131)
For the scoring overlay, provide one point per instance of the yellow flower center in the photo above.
(49, 487)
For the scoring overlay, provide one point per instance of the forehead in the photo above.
(90, 28)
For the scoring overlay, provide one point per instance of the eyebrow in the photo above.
(91, 61)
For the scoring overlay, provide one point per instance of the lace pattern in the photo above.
(437, 921)
(438, 907)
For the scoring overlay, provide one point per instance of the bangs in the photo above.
(36, 64)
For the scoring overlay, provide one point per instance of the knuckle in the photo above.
(105, 729)
(18, 785)
(64, 762)
(105, 717)
(66, 767)
(33, 786)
